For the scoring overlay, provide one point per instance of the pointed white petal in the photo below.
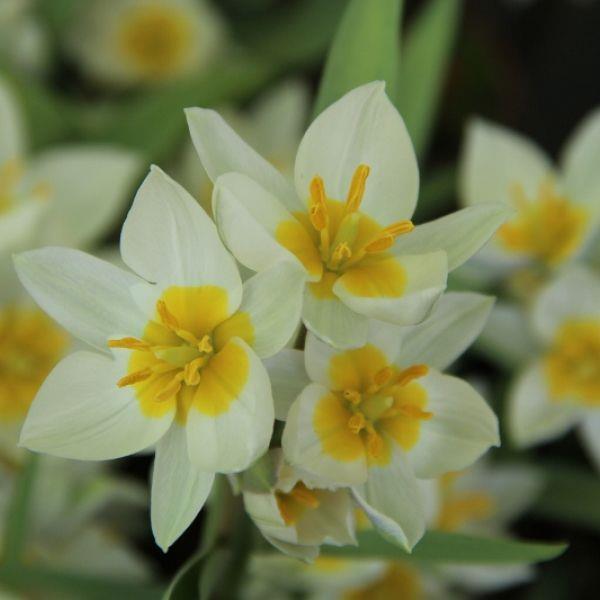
(20, 226)
(222, 151)
(79, 412)
(461, 429)
(288, 378)
(574, 293)
(230, 441)
(90, 187)
(590, 436)
(89, 297)
(392, 500)
(532, 416)
(179, 489)
(455, 321)
(460, 234)
(363, 127)
(168, 239)
(495, 158)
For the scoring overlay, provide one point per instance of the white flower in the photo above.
(561, 386)
(130, 42)
(557, 209)
(297, 517)
(175, 361)
(347, 220)
(378, 417)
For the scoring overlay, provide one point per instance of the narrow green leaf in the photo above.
(425, 58)
(215, 568)
(185, 583)
(365, 48)
(441, 547)
(47, 581)
(437, 194)
(571, 494)
(17, 516)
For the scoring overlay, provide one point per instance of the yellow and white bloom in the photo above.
(143, 42)
(561, 386)
(175, 361)
(379, 417)
(557, 208)
(273, 125)
(347, 222)
(297, 517)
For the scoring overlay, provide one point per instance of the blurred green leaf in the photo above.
(441, 547)
(215, 568)
(437, 194)
(571, 494)
(365, 48)
(58, 13)
(425, 58)
(185, 584)
(47, 581)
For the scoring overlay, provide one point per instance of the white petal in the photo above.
(89, 297)
(488, 578)
(12, 140)
(460, 234)
(392, 500)
(333, 321)
(288, 378)
(247, 217)
(363, 127)
(90, 187)
(222, 151)
(232, 440)
(426, 276)
(79, 412)
(179, 489)
(590, 436)
(455, 321)
(532, 416)
(574, 293)
(303, 448)
(461, 429)
(168, 239)
(20, 226)
(495, 158)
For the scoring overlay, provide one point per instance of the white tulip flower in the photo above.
(175, 361)
(347, 222)
(561, 386)
(380, 417)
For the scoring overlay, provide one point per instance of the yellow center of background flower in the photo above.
(156, 39)
(371, 404)
(335, 239)
(400, 581)
(573, 363)
(11, 178)
(293, 504)
(186, 355)
(548, 228)
(30, 346)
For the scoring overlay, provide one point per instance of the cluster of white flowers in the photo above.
(178, 340)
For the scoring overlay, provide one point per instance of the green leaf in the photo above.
(365, 48)
(441, 547)
(571, 495)
(185, 584)
(45, 581)
(437, 193)
(425, 58)
(214, 570)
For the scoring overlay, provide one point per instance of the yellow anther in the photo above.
(191, 371)
(385, 239)
(413, 372)
(341, 253)
(305, 496)
(383, 376)
(129, 343)
(375, 444)
(134, 377)
(205, 345)
(414, 412)
(357, 188)
(166, 316)
(356, 423)
(352, 396)
(171, 389)
(319, 215)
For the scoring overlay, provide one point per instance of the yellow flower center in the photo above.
(334, 238)
(399, 581)
(186, 356)
(156, 39)
(293, 504)
(11, 188)
(459, 508)
(548, 228)
(372, 403)
(30, 346)
(572, 364)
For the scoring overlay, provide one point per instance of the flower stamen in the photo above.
(357, 188)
